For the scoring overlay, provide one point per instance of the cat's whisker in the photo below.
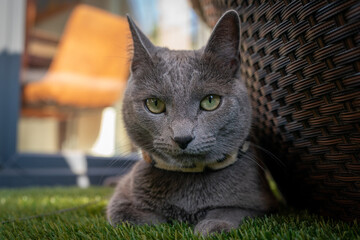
(278, 160)
(118, 159)
(254, 159)
(118, 163)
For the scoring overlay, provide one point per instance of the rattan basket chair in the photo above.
(301, 63)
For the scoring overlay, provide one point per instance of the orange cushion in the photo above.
(75, 90)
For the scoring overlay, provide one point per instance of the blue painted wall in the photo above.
(9, 104)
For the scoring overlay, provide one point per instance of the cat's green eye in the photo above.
(155, 105)
(210, 102)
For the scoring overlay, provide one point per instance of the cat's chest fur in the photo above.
(187, 196)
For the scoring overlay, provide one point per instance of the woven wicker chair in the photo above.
(301, 63)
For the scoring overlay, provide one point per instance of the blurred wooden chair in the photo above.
(90, 67)
(40, 45)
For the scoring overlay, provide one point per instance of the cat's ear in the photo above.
(142, 46)
(224, 40)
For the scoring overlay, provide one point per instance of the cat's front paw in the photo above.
(210, 226)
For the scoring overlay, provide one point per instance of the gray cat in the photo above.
(190, 115)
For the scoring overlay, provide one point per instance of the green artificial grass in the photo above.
(73, 213)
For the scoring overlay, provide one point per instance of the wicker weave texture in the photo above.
(301, 63)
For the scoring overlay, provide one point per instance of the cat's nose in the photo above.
(183, 141)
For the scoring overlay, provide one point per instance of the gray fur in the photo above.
(212, 200)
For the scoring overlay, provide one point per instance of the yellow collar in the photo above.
(197, 167)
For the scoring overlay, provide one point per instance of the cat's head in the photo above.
(186, 107)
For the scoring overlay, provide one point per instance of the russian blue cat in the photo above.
(190, 115)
